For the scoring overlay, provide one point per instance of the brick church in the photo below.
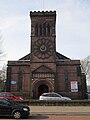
(44, 69)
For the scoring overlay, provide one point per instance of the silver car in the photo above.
(53, 96)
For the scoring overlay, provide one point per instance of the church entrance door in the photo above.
(42, 89)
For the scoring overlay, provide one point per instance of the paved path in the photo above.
(60, 110)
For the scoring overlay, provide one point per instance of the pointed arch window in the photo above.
(36, 30)
(20, 81)
(40, 30)
(44, 29)
(48, 29)
(66, 77)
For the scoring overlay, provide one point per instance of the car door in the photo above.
(5, 108)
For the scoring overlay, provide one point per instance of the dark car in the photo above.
(13, 109)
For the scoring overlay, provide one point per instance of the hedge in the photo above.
(55, 102)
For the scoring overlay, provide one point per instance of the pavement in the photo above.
(60, 110)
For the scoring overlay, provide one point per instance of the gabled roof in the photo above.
(26, 57)
(58, 57)
(43, 69)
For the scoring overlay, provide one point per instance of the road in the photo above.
(59, 117)
(53, 117)
(58, 113)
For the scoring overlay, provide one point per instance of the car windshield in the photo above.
(10, 95)
(52, 95)
(1, 94)
(6, 94)
(6, 101)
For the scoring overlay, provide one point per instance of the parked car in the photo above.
(10, 96)
(11, 108)
(53, 96)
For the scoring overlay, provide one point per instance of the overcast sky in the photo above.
(72, 26)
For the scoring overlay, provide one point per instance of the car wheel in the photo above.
(17, 114)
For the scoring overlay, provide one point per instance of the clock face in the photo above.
(43, 48)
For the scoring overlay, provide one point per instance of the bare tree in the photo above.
(85, 67)
(3, 72)
(2, 69)
(2, 53)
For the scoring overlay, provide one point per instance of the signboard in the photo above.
(74, 86)
(13, 82)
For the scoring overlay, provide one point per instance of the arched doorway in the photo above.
(42, 89)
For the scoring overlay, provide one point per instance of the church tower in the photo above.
(44, 69)
(43, 51)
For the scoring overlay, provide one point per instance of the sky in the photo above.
(72, 26)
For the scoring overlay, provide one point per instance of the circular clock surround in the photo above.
(43, 48)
